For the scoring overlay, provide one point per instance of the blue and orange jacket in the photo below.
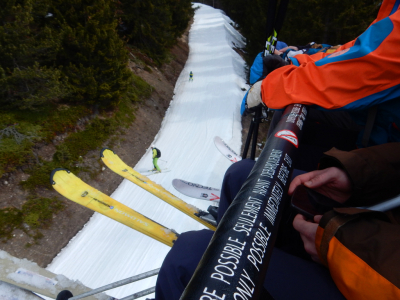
(360, 74)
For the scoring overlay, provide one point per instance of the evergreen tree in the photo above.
(147, 24)
(154, 25)
(182, 12)
(93, 57)
(334, 22)
(331, 22)
(235, 9)
(27, 50)
(254, 28)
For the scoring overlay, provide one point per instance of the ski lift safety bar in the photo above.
(235, 263)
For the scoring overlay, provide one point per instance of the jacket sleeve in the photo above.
(361, 74)
(374, 172)
(154, 151)
(360, 247)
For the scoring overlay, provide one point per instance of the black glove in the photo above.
(271, 63)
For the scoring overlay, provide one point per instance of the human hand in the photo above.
(287, 48)
(331, 182)
(308, 230)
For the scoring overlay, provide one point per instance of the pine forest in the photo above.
(64, 60)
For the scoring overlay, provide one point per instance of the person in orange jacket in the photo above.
(359, 75)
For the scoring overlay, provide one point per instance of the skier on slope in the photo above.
(191, 76)
(156, 155)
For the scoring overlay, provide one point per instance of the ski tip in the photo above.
(52, 182)
(104, 149)
(218, 139)
(175, 182)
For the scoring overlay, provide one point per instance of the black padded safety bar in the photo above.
(236, 260)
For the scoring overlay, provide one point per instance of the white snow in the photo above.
(105, 251)
(11, 292)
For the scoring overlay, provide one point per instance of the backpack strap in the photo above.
(329, 232)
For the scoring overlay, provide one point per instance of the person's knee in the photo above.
(234, 178)
(238, 172)
(244, 165)
(180, 263)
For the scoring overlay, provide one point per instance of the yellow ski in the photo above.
(73, 188)
(113, 162)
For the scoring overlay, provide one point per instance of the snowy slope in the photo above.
(106, 251)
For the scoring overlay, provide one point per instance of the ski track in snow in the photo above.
(105, 251)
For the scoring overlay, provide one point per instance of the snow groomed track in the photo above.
(105, 251)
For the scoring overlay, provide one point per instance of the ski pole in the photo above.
(386, 205)
(162, 160)
(118, 284)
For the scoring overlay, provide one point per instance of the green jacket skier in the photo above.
(156, 154)
(191, 76)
